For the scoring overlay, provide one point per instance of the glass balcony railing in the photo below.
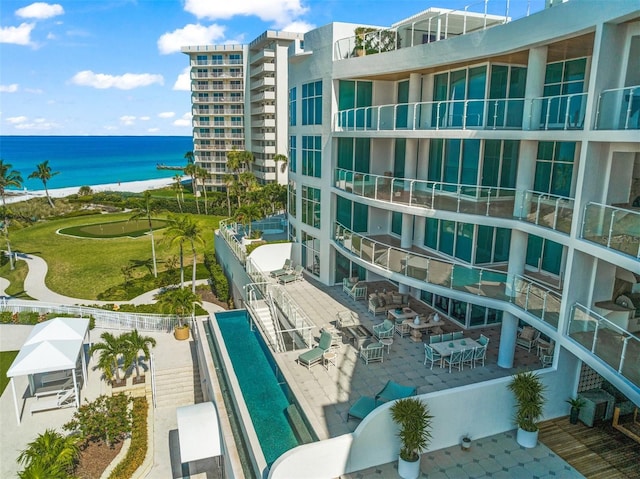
(530, 296)
(619, 109)
(493, 114)
(560, 112)
(542, 209)
(613, 345)
(228, 231)
(615, 228)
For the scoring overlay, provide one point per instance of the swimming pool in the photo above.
(276, 417)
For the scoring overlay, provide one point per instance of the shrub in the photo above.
(138, 447)
(108, 419)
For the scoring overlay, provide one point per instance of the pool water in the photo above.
(264, 390)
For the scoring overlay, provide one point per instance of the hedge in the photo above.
(139, 442)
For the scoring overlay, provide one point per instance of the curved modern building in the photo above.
(489, 167)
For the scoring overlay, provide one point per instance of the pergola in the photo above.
(52, 346)
(198, 432)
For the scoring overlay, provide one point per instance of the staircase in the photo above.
(263, 315)
(179, 386)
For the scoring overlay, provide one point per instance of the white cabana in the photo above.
(52, 346)
(198, 432)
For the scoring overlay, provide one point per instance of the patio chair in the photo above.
(293, 276)
(447, 337)
(314, 355)
(347, 318)
(402, 328)
(479, 355)
(371, 352)
(336, 336)
(454, 359)
(458, 335)
(527, 338)
(361, 408)
(431, 355)
(384, 329)
(467, 357)
(392, 391)
(66, 398)
(435, 338)
(483, 340)
(547, 358)
(286, 269)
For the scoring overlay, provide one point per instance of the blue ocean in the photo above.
(93, 160)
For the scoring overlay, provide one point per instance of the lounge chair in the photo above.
(293, 276)
(286, 269)
(392, 391)
(527, 338)
(371, 352)
(384, 329)
(361, 408)
(314, 355)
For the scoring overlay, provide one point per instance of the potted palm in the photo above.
(414, 421)
(528, 390)
(576, 404)
(181, 302)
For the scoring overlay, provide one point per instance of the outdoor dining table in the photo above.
(446, 348)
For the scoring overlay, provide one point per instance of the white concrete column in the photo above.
(407, 231)
(411, 158)
(508, 333)
(517, 257)
(535, 86)
(526, 174)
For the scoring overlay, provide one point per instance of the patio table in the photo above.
(404, 313)
(418, 329)
(446, 348)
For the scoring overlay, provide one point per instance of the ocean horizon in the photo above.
(94, 160)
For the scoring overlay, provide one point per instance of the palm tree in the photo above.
(189, 157)
(192, 171)
(203, 174)
(229, 181)
(136, 343)
(178, 301)
(177, 187)
(247, 213)
(248, 182)
(8, 177)
(111, 348)
(51, 455)
(283, 159)
(43, 173)
(145, 211)
(181, 229)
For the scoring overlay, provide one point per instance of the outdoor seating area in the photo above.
(385, 301)
(354, 288)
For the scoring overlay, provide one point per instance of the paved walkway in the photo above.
(168, 353)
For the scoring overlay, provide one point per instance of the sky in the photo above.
(114, 67)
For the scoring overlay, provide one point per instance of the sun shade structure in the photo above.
(198, 432)
(52, 346)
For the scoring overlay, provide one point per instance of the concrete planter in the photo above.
(527, 439)
(408, 470)
(181, 334)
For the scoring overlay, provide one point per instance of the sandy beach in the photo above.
(130, 186)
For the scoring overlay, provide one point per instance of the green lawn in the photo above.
(6, 358)
(114, 229)
(16, 278)
(82, 268)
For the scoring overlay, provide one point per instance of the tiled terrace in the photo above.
(327, 394)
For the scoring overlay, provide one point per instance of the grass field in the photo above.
(6, 358)
(16, 278)
(115, 229)
(83, 267)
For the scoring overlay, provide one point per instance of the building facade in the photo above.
(239, 102)
(491, 168)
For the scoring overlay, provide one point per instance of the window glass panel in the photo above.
(347, 98)
(447, 233)
(402, 110)
(534, 250)
(471, 153)
(553, 73)
(552, 257)
(396, 222)
(464, 241)
(343, 211)
(477, 315)
(517, 82)
(363, 153)
(435, 159)
(503, 243)
(499, 75)
(431, 233)
(509, 171)
(491, 163)
(452, 161)
(484, 244)
(399, 157)
(561, 179)
(542, 178)
(364, 93)
(574, 69)
(440, 85)
(345, 153)
(360, 218)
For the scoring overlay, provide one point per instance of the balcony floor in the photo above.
(326, 395)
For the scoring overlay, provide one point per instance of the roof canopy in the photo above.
(198, 432)
(53, 345)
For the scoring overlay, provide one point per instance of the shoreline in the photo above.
(139, 186)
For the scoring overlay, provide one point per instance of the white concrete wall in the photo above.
(479, 410)
(270, 257)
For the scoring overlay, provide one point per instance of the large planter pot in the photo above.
(181, 333)
(408, 470)
(573, 416)
(527, 439)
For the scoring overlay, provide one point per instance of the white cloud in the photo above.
(9, 88)
(35, 91)
(298, 26)
(189, 35)
(280, 12)
(40, 10)
(183, 82)
(144, 118)
(20, 35)
(127, 81)
(166, 114)
(153, 130)
(127, 120)
(184, 121)
(16, 120)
